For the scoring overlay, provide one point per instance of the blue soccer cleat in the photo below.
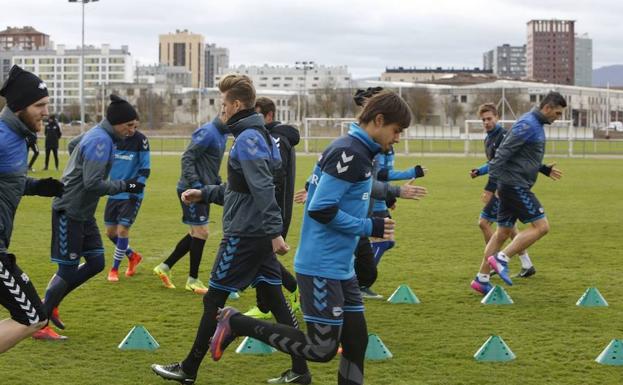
(500, 267)
(481, 287)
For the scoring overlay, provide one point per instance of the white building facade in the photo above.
(60, 69)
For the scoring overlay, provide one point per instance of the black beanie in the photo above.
(22, 88)
(120, 111)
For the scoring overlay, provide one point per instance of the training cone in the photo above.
(376, 350)
(403, 294)
(497, 296)
(139, 339)
(234, 295)
(612, 354)
(252, 346)
(494, 350)
(592, 298)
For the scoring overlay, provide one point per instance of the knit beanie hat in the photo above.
(120, 111)
(22, 88)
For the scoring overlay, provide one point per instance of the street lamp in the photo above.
(83, 2)
(305, 66)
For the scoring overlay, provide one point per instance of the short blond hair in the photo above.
(487, 107)
(238, 87)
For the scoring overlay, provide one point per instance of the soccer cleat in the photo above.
(133, 261)
(173, 372)
(501, 268)
(256, 313)
(165, 277)
(56, 319)
(196, 286)
(525, 273)
(295, 301)
(289, 377)
(47, 333)
(113, 276)
(481, 287)
(368, 293)
(223, 335)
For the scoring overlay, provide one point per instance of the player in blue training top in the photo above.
(495, 135)
(27, 103)
(515, 167)
(335, 217)
(132, 161)
(252, 230)
(201, 162)
(74, 229)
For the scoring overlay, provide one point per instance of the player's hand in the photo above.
(300, 196)
(474, 173)
(408, 191)
(388, 229)
(486, 196)
(556, 173)
(420, 171)
(49, 187)
(191, 196)
(133, 186)
(280, 246)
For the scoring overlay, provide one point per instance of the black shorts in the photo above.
(518, 203)
(325, 300)
(17, 293)
(243, 262)
(194, 214)
(121, 211)
(72, 239)
(490, 211)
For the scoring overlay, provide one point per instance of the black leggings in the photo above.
(215, 299)
(365, 266)
(47, 156)
(35, 155)
(320, 344)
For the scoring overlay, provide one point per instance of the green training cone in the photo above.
(592, 298)
(139, 339)
(376, 350)
(234, 295)
(494, 350)
(497, 296)
(403, 294)
(612, 354)
(252, 346)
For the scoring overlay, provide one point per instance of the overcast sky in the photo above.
(366, 35)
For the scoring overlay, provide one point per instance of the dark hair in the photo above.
(362, 95)
(238, 87)
(387, 103)
(265, 105)
(487, 107)
(553, 99)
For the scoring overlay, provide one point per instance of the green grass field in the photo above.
(438, 252)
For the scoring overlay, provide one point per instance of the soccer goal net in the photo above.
(560, 135)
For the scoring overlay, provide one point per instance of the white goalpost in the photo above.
(559, 131)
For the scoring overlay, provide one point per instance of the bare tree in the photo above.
(151, 109)
(325, 99)
(452, 108)
(73, 111)
(421, 102)
(514, 100)
(345, 104)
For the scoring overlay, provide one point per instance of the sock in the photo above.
(120, 249)
(196, 253)
(287, 279)
(129, 251)
(502, 257)
(483, 277)
(379, 248)
(182, 247)
(526, 263)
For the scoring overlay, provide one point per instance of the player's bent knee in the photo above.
(484, 224)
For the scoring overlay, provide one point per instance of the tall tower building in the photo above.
(550, 54)
(184, 49)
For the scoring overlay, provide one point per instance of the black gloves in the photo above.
(49, 187)
(419, 171)
(133, 186)
(545, 169)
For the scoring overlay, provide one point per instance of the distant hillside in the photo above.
(610, 74)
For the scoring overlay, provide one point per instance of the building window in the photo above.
(211, 102)
(463, 98)
(179, 102)
(532, 98)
